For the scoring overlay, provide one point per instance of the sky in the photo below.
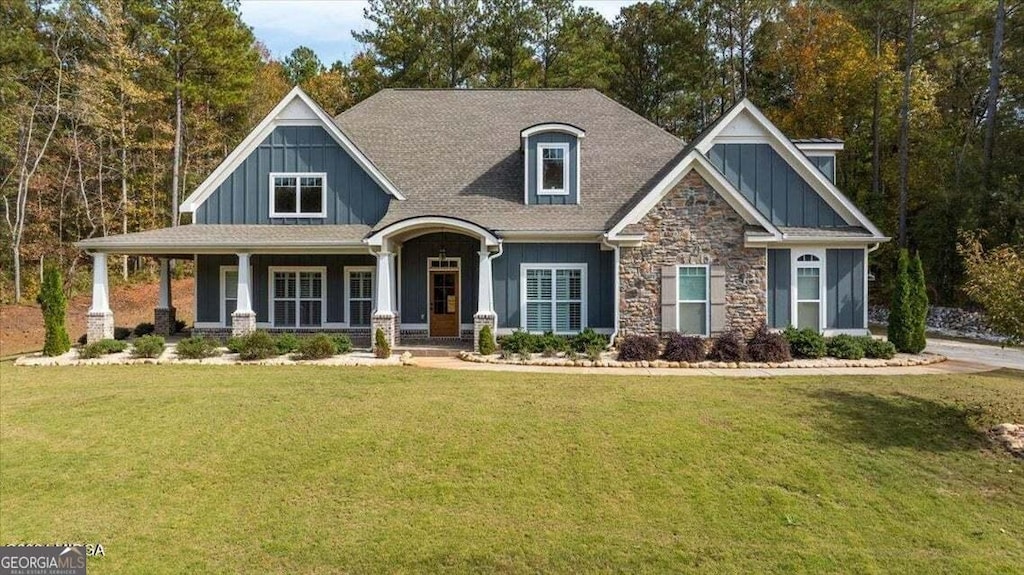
(326, 25)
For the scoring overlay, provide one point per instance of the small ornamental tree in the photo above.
(900, 310)
(54, 305)
(486, 340)
(382, 347)
(995, 279)
(918, 306)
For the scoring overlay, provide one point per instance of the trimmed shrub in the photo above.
(342, 342)
(179, 326)
(594, 352)
(587, 338)
(768, 347)
(638, 348)
(486, 340)
(122, 333)
(517, 342)
(320, 346)
(728, 347)
(877, 348)
(845, 347)
(54, 305)
(918, 306)
(381, 348)
(101, 348)
(257, 345)
(286, 343)
(805, 343)
(234, 344)
(900, 309)
(688, 348)
(148, 346)
(551, 342)
(197, 347)
(144, 328)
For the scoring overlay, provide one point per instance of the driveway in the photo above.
(976, 353)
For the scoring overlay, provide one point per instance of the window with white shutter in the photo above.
(359, 286)
(554, 298)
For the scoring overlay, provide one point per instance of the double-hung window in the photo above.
(553, 298)
(359, 282)
(297, 297)
(693, 306)
(552, 168)
(808, 274)
(298, 195)
(229, 292)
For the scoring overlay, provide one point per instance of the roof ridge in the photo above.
(485, 89)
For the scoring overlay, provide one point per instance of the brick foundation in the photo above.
(99, 325)
(692, 224)
(163, 320)
(479, 321)
(243, 323)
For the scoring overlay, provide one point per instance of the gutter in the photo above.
(615, 329)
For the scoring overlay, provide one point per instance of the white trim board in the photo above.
(322, 270)
(566, 153)
(295, 109)
(554, 267)
(272, 200)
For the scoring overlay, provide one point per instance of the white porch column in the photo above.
(485, 315)
(243, 320)
(164, 314)
(99, 319)
(384, 316)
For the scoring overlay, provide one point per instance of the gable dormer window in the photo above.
(553, 169)
(298, 195)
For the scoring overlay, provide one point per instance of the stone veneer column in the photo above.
(243, 319)
(485, 315)
(164, 314)
(99, 319)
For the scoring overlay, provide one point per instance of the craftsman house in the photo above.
(431, 213)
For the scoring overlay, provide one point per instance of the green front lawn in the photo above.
(301, 469)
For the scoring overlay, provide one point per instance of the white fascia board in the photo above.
(815, 241)
(285, 113)
(553, 127)
(797, 160)
(811, 147)
(694, 160)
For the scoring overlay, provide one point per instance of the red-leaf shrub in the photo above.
(728, 347)
(638, 348)
(679, 347)
(768, 347)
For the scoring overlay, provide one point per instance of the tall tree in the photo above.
(551, 16)
(508, 28)
(908, 70)
(995, 71)
(453, 29)
(397, 41)
(302, 65)
(586, 56)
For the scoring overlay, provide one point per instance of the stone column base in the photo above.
(243, 322)
(99, 325)
(387, 322)
(479, 321)
(163, 320)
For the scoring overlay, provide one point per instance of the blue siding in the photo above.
(414, 273)
(772, 186)
(779, 278)
(531, 166)
(208, 279)
(827, 165)
(244, 197)
(844, 281)
(600, 279)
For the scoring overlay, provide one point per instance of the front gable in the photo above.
(244, 196)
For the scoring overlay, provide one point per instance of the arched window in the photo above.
(809, 292)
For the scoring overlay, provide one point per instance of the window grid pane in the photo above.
(360, 298)
(311, 195)
(693, 318)
(553, 168)
(284, 195)
(693, 284)
(808, 285)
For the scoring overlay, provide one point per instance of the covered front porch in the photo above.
(423, 280)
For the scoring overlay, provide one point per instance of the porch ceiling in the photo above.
(225, 238)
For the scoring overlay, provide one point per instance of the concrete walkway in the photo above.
(990, 356)
(934, 369)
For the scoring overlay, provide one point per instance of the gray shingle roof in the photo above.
(227, 236)
(458, 153)
(817, 141)
(837, 232)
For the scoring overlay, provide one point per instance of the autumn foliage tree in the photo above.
(995, 279)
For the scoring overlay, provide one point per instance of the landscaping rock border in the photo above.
(356, 358)
(608, 361)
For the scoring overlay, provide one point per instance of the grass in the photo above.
(300, 469)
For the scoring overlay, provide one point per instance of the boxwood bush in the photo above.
(688, 348)
(257, 345)
(381, 347)
(845, 347)
(320, 346)
(518, 342)
(878, 348)
(486, 346)
(805, 343)
(148, 346)
(286, 343)
(768, 347)
(101, 348)
(586, 339)
(638, 348)
(342, 343)
(197, 347)
(728, 347)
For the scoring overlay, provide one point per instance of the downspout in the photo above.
(491, 258)
(615, 281)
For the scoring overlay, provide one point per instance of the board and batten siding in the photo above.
(531, 169)
(413, 274)
(827, 165)
(844, 288)
(244, 197)
(772, 186)
(600, 279)
(208, 281)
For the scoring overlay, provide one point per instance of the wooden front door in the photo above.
(444, 303)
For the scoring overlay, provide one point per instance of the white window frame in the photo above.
(564, 190)
(323, 295)
(523, 268)
(348, 292)
(796, 264)
(706, 301)
(298, 213)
